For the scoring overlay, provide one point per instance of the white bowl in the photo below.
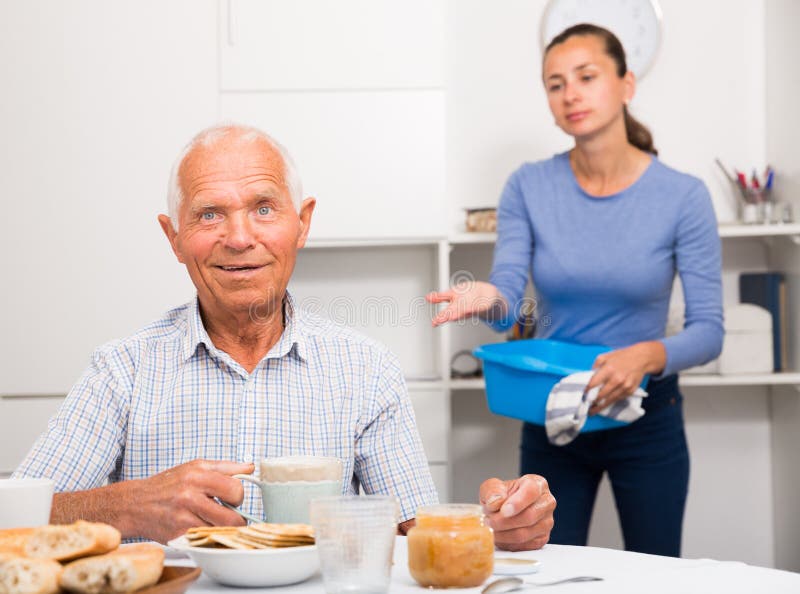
(254, 568)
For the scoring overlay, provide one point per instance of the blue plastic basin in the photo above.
(520, 374)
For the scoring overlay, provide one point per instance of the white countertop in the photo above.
(622, 572)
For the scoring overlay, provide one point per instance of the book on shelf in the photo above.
(768, 290)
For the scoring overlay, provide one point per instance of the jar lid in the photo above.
(458, 510)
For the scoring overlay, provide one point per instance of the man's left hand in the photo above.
(520, 511)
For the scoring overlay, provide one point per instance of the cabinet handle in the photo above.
(231, 25)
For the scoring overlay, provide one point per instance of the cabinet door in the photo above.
(441, 478)
(319, 44)
(378, 292)
(22, 420)
(432, 409)
(375, 162)
(98, 99)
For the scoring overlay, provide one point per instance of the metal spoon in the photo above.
(510, 584)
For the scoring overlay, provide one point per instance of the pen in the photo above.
(742, 180)
(725, 171)
(754, 180)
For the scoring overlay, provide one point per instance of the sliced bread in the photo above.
(19, 575)
(127, 569)
(12, 540)
(70, 541)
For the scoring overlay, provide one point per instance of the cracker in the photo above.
(256, 536)
(287, 530)
(210, 529)
(202, 542)
(251, 542)
(232, 542)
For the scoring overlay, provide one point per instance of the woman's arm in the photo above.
(513, 251)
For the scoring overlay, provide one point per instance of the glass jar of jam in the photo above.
(450, 546)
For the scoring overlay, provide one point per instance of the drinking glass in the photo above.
(355, 540)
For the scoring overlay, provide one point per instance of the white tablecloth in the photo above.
(621, 571)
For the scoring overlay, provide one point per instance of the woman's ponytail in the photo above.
(638, 134)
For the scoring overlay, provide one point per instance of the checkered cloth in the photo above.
(568, 406)
(167, 395)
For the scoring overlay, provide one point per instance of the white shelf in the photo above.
(755, 379)
(464, 237)
(775, 230)
(432, 384)
(372, 242)
(473, 383)
(686, 380)
(725, 230)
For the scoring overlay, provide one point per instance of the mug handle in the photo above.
(249, 478)
(246, 516)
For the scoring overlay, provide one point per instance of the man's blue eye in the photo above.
(264, 210)
(208, 216)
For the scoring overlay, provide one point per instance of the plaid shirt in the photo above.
(166, 395)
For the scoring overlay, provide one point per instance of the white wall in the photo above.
(783, 131)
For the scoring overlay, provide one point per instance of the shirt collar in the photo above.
(292, 336)
(291, 339)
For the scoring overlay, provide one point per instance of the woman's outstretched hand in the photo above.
(468, 299)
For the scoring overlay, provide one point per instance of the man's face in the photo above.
(238, 231)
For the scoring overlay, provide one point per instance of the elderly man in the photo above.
(149, 438)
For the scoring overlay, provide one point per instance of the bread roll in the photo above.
(127, 569)
(19, 575)
(12, 540)
(70, 541)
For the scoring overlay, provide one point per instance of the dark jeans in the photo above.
(648, 466)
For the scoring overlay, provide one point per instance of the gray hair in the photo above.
(214, 134)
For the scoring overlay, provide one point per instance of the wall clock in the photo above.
(637, 24)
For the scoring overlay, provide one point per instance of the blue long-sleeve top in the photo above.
(603, 268)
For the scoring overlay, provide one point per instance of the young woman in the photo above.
(602, 230)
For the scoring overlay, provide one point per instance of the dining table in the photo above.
(621, 572)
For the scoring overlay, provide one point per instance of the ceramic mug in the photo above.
(289, 483)
(25, 502)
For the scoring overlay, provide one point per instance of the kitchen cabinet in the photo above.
(375, 161)
(22, 420)
(311, 45)
(98, 99)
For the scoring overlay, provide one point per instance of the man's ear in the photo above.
(172, 235)
(306, 210)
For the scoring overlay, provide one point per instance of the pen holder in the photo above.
(757, 207)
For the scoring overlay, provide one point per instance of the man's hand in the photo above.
(519, 511)
(163, 506)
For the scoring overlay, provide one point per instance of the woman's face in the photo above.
(583, 89)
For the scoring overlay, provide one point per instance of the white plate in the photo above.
(255, 568)
(507, 565)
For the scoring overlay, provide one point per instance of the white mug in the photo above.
(289, 483)
(25, 502)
